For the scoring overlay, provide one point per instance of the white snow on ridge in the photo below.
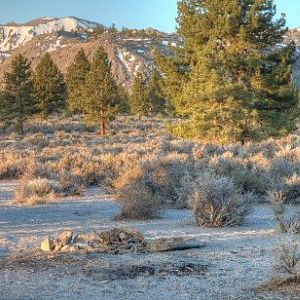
(12, 37)
(129, 61)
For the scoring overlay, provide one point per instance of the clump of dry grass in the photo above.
(216, 202)
(36, 191)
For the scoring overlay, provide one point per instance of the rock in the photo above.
(47, 245)
(172, 244)
(65, 238)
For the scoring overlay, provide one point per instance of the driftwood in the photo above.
(172, 244)
(115, 241)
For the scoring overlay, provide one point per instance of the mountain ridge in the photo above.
(130, 50)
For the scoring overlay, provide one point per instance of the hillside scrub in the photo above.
(141, 163)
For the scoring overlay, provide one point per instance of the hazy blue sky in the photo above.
(159, 14)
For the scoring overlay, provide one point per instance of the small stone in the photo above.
(122, 236)
(47, 245)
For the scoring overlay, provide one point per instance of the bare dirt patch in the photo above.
(106, 267)
(234, 261)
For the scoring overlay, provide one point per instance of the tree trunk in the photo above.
(102, 130)
(21, 126)
(21, 129)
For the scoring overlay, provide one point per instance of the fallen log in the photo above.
(115, 241)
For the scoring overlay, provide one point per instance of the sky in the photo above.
(159, 14)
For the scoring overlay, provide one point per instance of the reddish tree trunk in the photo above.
(102, 128)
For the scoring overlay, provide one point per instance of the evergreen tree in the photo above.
(101, 92)
(138, 99)
(75, 79)
(146, 96)
(16, 101)
(49, 87)
(154, 94)
(230, 80)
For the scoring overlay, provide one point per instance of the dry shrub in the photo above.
(210, 150)
(290, 255)
(38, 139)
(246, 176)
(287, 189)
(216, 201)
(12, 165)
(291, 188)
(177, 174)
(138, 193)
(71, 184)
(281, 167)
(287, 221)
(36, 191)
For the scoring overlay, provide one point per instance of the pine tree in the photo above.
(75, 79)
(230, 80)
(101, 92)
(16, 101)
(138, 99)
(154, 94)
(146, 96)
(49, 87)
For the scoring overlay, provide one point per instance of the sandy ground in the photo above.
(234, 261)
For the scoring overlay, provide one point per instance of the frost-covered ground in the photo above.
(234, 261)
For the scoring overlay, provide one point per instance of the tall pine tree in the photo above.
(16, 101)
(49, 87)
(101, 92)
(230, 79)
(75, 79)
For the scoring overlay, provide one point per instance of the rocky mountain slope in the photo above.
(129, 51)
(13, 36)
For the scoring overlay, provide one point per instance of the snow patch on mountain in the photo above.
(13, 36)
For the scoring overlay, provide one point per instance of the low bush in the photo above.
(12, 165)
(71, 184)
(216, 201)
(36, 191)
(287, 221)
(290, 255)
(138, 194)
